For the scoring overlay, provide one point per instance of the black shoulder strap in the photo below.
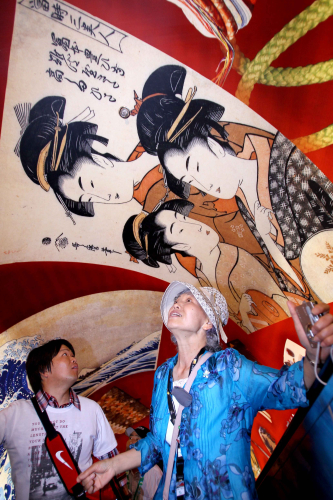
(50, 430)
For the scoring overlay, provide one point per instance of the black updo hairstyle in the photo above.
(159, 250)
(41, 130)
(158, 113)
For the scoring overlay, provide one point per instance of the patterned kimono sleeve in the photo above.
(268, 388)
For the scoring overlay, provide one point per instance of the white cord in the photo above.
(331, 352)
(315, 368)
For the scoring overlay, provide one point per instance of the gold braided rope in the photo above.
(258, 70)
(315, 141)
(293, 77)
(319, 11)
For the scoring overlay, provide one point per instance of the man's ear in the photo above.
(181, 247)
(207, 325)
(44, 375)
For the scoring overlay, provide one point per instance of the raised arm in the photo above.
(100, 473)
(323, 331)
(268, 388)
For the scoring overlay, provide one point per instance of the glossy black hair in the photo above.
(41, 130)
(159, 250)
(40, 359)
(158, 113)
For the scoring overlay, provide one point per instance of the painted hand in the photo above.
(263, 219)
(245, 308)
(245, 305)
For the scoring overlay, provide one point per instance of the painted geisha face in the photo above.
(185, 234)
(206, 165)
(98, 180)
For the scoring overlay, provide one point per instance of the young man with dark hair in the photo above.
(52, 369)
(39, 361)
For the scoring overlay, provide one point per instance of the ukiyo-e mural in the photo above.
(119, 161)
(155, 169)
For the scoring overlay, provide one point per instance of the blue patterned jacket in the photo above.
(215, 431)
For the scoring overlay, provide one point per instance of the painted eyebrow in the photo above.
(187, 162)
(80, 184)
(173, 223)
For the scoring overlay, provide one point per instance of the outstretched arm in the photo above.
(323, 331)
(101, 473)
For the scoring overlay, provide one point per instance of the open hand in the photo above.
(97, 476)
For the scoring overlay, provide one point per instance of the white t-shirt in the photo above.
(86, 432)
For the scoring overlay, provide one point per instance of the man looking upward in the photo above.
(52, 369)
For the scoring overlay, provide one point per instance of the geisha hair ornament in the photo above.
(136, 227)
(55, 160)
(185, 126)
(189, 96)
(139, 103)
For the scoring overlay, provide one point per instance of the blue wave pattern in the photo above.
(13, 386)
(137, 357)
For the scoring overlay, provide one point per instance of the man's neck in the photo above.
(61, 394)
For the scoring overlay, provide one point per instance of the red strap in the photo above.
(65, 464)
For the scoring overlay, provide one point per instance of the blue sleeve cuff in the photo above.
(287, 390)
(150, 453)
